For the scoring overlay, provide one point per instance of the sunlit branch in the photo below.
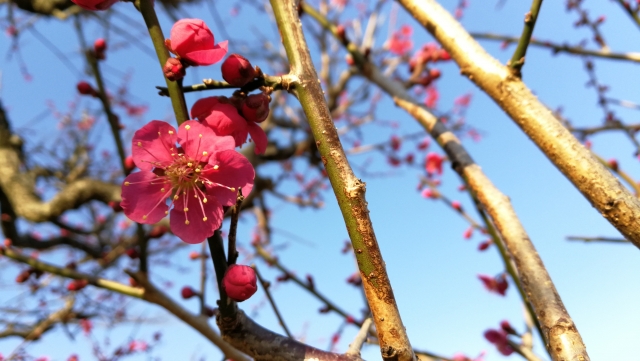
(562, 48)
(69, 273)
(606, 194)
(349, 190)
(594, 181)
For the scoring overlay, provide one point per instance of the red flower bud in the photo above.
(457, 206)
(85, 88)
(77, 285)
(99, 47)
(194, 255)
(187, 292)
(237, 70)
(132, 253)
(506, 326)
(484, 245)
(94, 5)
(256, 107)
(23, 276)
(240, 282)
(173, 69)
(613, 164)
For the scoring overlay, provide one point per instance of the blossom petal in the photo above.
(153, 144)
(224, 119)
(189, 35)
(143, 199)
(197, 140)
(197, 228)
(259, 137)
(208, 56)
(234, 171)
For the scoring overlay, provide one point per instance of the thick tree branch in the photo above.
(562, 338)
(577, 163)
(349, 190)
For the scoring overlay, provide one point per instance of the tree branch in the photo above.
(597, 184)
(349, 190)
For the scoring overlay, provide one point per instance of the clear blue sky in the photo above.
(432, 268)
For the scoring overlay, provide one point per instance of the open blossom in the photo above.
(193, 42)
(223, 117)
(400, 42)
(195, 170)
(433, 163)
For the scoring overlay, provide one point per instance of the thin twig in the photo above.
(359, 340)
(233, 228)
(562, 48)
(265, 286)
(597, 239)
(517, 60)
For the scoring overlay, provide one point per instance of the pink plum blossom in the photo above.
(433, 163)
(193, 42)
(194, 169)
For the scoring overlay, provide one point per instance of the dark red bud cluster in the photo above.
(255, 107)
(483, 246)
(506, 327)
(355, 279)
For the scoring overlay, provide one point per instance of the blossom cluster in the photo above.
(193, 172)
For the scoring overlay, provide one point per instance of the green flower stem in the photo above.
(155, 31)
(68, 273)
(302, 81)
(517, 60)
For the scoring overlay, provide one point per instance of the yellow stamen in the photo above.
(139, 144)
(187, 127)
(186, 209)
(204, 153)
(204, 200)
(187, 221)
(171, 132)
(204, 219)
(216, 167)
(144, 217)
(126, 183)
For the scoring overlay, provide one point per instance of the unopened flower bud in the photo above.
(240, 282)
(94, 5)
(237, 70)
(173, 69)
(256, 107)
(484, 245)
(187, 292)
(77, 285)
(85, 88)
(506, 327)
(23, 276)
(99, 48)
(132, 253)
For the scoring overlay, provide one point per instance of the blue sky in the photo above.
(432, 268)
